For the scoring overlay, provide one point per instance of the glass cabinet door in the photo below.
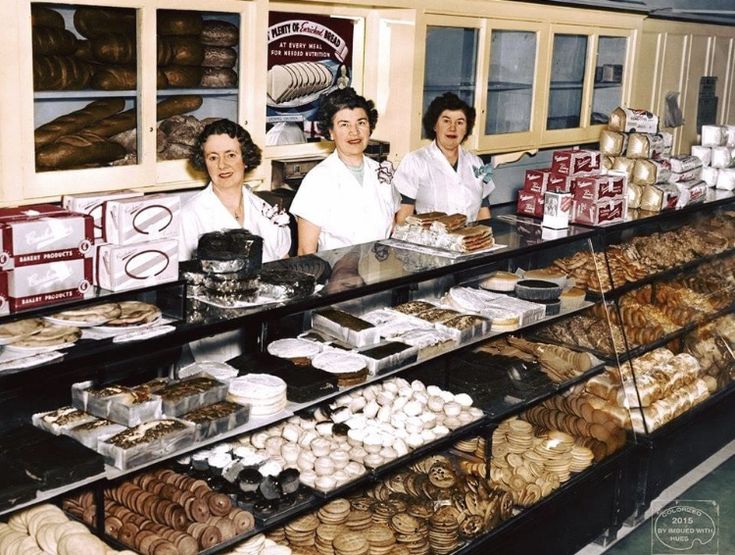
(451, 63)
(609, 70)
(85, 86)
(511, 78)
(568, 65)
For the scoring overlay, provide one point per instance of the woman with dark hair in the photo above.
(225, 151)
(342, 201)
(443, 176)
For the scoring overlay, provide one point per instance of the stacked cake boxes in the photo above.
(45, 256)
(141, 244)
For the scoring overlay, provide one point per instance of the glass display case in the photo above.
(609, 70)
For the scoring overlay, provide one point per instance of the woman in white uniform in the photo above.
(342, 201)
(443, 176)
(225, 150)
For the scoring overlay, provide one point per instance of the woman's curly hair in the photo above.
(447, 101)
(340, 99)
(251, 155)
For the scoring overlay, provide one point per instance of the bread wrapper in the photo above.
(721, 157)
(628, 120)
(683, 163)
(634, 194)
(713, 135)
(726, 179)
(709, 175)
(648, 172)
(646, 145)
(691, 192)
(625, 165)
(613, 143)
(660, 196)
(704, 153)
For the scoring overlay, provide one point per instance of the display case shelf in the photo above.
(92, 94)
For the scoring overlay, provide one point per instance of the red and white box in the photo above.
(560, 183)
(132, 220)
(575, 161)
(123, 267)
(542, 180)
(27, 238)
(557, 209)
(530, 204)
(595, 188)
(47, 283)
(92, 204)
(598, 213)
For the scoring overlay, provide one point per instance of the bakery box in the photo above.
(92, 204)
(598, 213)
(30, 239)
(45, 284)
(123, 267)
(530, 204)
(146, 442)
(183, 396)
(594, 188)
(217, 418)
(133, 220)
(575, 161)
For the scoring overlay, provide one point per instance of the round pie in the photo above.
(135, 313)
(92, 315)
(13, 331)
(50, 336)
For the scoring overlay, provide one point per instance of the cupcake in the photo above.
(289, 480)
(249, 480)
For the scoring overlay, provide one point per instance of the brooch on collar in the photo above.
(485, 172)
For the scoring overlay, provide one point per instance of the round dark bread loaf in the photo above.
(114, 48)
(47, 40)
(78, 120)
(92, 22)
(181, 129)
(219, 33)
(219, 56)
(84, 51)
(58, 73)
(180, 50)
(178, 22)
(175, 151)
(216, 77)
(46, 17)
(182, 76)
(77, 150)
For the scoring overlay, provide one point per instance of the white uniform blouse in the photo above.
(347, 212)
(204, 212)
(427, 176)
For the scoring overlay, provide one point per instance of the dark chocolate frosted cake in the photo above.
(233, 250)
(284, 284)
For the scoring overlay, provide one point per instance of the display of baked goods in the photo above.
(20, 329)
(128, 406)
(266, 394)
(443, 231)
(349, 368)
(46, 528)
(281, 284)
(345, 326)
(140, 444)
(182, 396)
(134, 314)
(48, 338)
(165, 512)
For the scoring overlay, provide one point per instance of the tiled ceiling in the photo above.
(710, 11)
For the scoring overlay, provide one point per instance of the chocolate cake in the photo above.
(15, 485)
(389, 355)
(285, 284)
(343, 325)
(233, 250)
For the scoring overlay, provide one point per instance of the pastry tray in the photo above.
(115, 407)
(143, 453)
(438, 251)
(205, 430)
(178, 407)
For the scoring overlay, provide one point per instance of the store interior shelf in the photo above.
(67, 95)
(664, 274)
(566, 85)
(501, 86)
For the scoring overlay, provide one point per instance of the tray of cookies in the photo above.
(146, 442)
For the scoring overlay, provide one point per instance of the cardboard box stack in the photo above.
(136, 244)
(45, 256)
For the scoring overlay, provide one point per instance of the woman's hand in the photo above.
(308, 237)
(404, 212)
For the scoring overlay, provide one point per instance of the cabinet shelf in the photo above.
(71, 95)
(566, 85)
(501, 86)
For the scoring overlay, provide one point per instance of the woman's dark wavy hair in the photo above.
(447, 101)
(250, 151)
(340, 99)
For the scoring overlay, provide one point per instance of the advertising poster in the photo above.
(308, 56)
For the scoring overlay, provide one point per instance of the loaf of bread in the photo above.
(58, 73)
(114, 48)
(84, 51)
(77, 150)
(46, 17)
(47, 40)
(181, 129)
(219, 56)
(219, 33)
(92, 22)
(180, 50)
(168, 107)
(121, 78)
(178, 22)
(78, 120)
(218, 77)
(183, 76)
(175, 151)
